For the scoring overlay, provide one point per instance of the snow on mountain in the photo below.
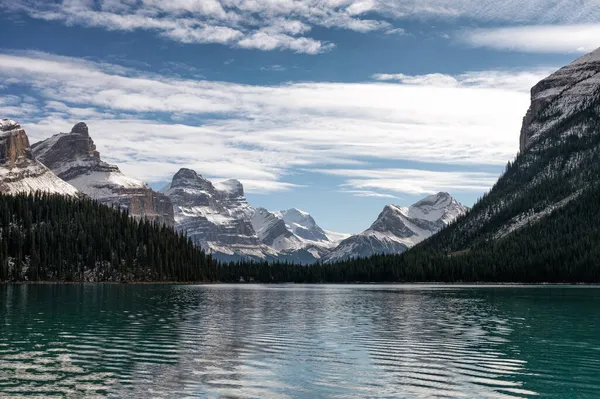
(273, 232)
(303, 225)
(19, 171)
(216, 218)
(399, 228)
(73, 157)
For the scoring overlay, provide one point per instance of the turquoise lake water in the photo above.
(294, 341)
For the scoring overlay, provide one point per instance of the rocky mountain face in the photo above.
(74, 158)
(559, 159)
(19, 170)
(216, 218)
(399, 228)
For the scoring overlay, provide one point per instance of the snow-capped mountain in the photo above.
(558, 160)
(304, 226)
(400, 228)
(218, 218)
(272, 231)
(73, 157)
(19, 171)
(294, 234)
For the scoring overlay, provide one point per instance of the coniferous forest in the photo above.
(54, 238)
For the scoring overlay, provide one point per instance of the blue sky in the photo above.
(335, 107)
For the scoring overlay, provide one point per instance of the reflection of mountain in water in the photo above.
(292, 341)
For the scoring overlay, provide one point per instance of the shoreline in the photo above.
(437, 283)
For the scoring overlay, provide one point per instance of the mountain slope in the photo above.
(398, 228)
(217, 219)
(559, 159)
(73, 157)
(272, 231)
(19, 171)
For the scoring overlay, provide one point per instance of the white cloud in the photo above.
(412, 181)
(368, 194)
(537, 38)
(263, 133)
(263, 25)
(511, 11)
(514, 80)
(287, 24)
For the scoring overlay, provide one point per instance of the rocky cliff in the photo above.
(19, 171)
(74, 158)
(217, 219)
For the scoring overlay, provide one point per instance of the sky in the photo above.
(336, 107)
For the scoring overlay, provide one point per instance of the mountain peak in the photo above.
(571, 90)
(594, 56)
(185, 173)
(296, 211)
(399, 228)
(80, 128)
(8, 125)
(19, 170)
(190, 178)
(231, 186)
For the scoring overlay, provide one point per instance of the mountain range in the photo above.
(215, 216)
(538, 223)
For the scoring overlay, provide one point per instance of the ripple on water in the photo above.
(295, 342)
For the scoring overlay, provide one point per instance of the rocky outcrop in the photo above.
(555, 100)
(399, 228)
(217, 219)
(19, 171)
(74, 158)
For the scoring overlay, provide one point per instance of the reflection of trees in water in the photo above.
(292, 341)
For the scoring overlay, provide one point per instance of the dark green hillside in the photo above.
(562, 247)
(55, 238)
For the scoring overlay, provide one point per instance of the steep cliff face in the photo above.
(399, 228)
(74, 158)
(19, 171)
(558, 100)
(559, 159)
(217, 219)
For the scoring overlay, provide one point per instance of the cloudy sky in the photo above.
(337, 107)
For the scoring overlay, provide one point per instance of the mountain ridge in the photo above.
(74, 158)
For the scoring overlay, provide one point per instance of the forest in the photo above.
(47, 237)
(53, 238)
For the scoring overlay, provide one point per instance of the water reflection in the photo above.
(297, 342)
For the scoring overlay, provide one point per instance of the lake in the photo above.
(295, 341)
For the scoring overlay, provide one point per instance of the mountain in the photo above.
(294, 234)
(559, 158)
(73, 157)
(218, 218)
(539, 222)
(399, 228)
(20, 172)
(272, 231)
(304, 226)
